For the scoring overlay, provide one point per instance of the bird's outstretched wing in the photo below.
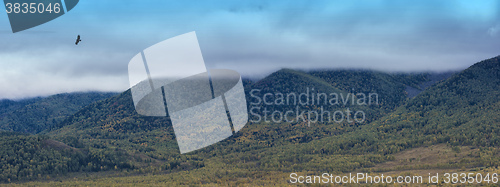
(77, 40)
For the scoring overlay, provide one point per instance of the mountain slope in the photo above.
(7, 105)
(293, 90)
(464, 110)
(432, 78)
(36, 115)
(36, 157)
(114, 124)
(389, 87)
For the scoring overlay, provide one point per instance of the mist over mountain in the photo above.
(455, 110)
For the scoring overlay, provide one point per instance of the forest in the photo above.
(459, 114)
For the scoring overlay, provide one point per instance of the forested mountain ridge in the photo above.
(432, 78)
(468, 103)
(7, 105)
(386, 90)
(37, 114)
(461, 110)
(446, 113)
(389, 87)
(33, 157)
(113, 124)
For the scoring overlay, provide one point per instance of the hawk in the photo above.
(77, 40)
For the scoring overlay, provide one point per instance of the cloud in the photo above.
(45, 72)
(381, 35)
(252, 37)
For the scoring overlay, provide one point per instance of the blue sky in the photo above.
(250, 36)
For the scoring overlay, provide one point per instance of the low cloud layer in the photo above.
(252, 37)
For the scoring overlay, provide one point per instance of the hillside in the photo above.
(432, 78)
(28, 157)
(459, 113)
(113, 124)
(292, 90)
(464, 110)
(7, 105)
(383, 91)
(389, 87)
(38, 114)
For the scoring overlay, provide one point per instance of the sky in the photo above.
(252, 37)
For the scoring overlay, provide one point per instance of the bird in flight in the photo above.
(77, 40)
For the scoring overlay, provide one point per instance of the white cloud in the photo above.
(46, 72)
(253, 38)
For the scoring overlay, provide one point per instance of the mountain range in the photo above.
(101, 132)
(37, 114)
